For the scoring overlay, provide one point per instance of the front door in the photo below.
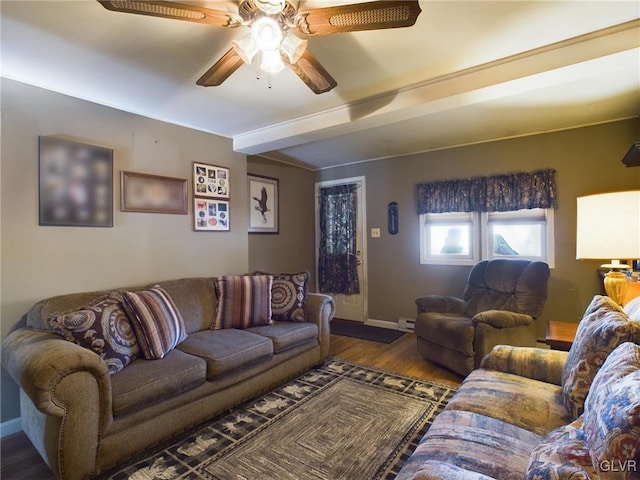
(341, 245)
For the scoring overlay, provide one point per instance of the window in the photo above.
(466, 238)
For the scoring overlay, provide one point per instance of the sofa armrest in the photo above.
(502, 318)
(319, 309)
(535, 363)
(71, 387)
(440, 304)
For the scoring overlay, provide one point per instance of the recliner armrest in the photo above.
(502, 318)
(535, 363)
(440, 304)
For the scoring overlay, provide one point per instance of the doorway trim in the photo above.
(362, 197)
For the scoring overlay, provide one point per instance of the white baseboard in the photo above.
(381, 323)
(10, 427)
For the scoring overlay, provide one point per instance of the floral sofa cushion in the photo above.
(562, 454)
(603, 327)
(612, 412)
(605, 441)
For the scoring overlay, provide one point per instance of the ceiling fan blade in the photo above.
(221, 70)
(358, 16)
(177, 11)
(309, 69)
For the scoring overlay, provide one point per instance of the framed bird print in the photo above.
(263, 204)
(210, 181)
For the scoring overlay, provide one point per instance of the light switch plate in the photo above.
(375, 233)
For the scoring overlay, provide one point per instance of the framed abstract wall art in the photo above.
(263, 204)
(141, 192)
(75, 184)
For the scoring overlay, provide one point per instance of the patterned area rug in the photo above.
(338, 421)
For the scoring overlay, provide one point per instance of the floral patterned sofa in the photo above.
(542, 414)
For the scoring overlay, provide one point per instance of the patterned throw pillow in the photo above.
(156, 321)
(561, 454)
(101, 326)
(612, 411)
(603, 327)
(243, 301)
(288, 293)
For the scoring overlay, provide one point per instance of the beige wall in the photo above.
(293, 249)
(38, 262)
(587, 160)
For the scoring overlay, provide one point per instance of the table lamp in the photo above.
(608, 227)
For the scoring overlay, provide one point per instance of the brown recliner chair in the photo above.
(499, 307)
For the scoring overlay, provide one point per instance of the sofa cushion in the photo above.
(146, 382)
(101, 326)
(243, 301)
(288, 293)
(612, 410)
(475, 443)
(156, 320)
(195, 299)
(526, 403)
(286, 335)
(603, 327)
(562, 454)
(227, 350)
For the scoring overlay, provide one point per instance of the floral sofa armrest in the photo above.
(535, 363)
(65, 398)
(319, 309)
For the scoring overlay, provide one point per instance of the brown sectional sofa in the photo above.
(83, 421)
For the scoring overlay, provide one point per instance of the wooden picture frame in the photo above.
(210, 181)
(145, 193)
(211, 215)
(263, 204)
(75, 184)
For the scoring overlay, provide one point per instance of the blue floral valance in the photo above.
(498, 193)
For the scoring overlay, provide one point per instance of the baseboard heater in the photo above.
(406, 324)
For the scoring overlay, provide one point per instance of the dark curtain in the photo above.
(338, 262)
(498, 193)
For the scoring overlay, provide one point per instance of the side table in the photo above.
(560, 335)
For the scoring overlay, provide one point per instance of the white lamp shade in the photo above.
(271, 61)
(608, 226)
(293, 47)
(266, 33)
(246, 48)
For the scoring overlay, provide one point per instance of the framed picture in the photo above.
(140, 192)
(75, 184)
(211, 215)
(210, 181)
(263, 204)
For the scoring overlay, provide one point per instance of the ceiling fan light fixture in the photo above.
(271, 61)
(267, 34)
(246, 48)
(270, 7)
(293, 47)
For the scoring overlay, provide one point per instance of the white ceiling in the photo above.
(466, 72)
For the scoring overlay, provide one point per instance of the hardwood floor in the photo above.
(20, 460)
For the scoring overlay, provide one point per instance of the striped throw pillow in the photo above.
(243, 301)
(157, 322)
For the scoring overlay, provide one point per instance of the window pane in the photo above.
(525, 239)
(450, 240)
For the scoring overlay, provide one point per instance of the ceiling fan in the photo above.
(272, 38)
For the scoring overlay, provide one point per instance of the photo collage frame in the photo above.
(211, 198)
